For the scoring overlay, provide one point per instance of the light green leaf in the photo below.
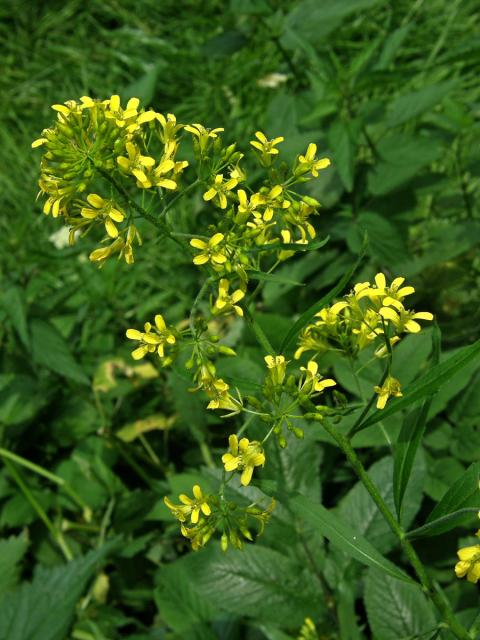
(395, 609)
(344, 536)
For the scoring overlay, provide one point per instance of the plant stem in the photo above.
(54, 531)
(429, 588)
(4, 453)
(259, 334)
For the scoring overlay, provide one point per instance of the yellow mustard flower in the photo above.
(106, 210)
(218, 390)
(390, 388)
(243, 456)
(202, 135)
(158, 176)
(219, 190)
(309, 163)
(270, 201)
(123, 245)
(469, 563)
(211, 250)
(154, 338)
(136, 164)
(190, 507)
(313, 381)
(404, 320)
(121, 116)
(266, 147)
(200, 533)
(389, 295)
(227, 302)
(308, 630)
(277, 367)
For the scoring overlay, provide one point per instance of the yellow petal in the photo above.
(134, 334)
(115, 103)
(160, 324)
(111, 229)
(139, 353)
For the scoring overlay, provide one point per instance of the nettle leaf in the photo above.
(50, 349)
(13, 302)
(44, 608)
(343, 536)
(385, 242)
(341, 142)
(12, 551)
(396, 609)
(413, 104)
(257, 582)
(359, 510)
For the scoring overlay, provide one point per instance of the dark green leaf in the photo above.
(463, 493)
(411, 105)
(14, 305)
(12, 551)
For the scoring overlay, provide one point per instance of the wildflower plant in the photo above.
(104, 167)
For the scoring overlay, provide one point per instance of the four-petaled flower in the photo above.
(391, 387)
(211, 251)
(227, 302)
(404, 320)
(190, 507)
(266, 147)
(469, 563)
(219, 190)
(121, 116)
(153, 339)
(105, 209)
(313, 381)
(244, 456)
(277, 366)
(136, 164)
(202, 135)
(309, 163)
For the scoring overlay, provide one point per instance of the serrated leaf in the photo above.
(427, 384)
(396, 609)
(344, 536)
(12, 551)
(44, 608)
(51, 350)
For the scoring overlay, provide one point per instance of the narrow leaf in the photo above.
(445, 523)
(342, 536)
(427, 384)
(463, 493)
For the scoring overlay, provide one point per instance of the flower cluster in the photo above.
(469, 561)
(368, 314)
(154, 338)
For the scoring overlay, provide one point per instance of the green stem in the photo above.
(262, 339)
(55, 533)
(4, 453)
(429, 588)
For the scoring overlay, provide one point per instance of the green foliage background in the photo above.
(389, 90)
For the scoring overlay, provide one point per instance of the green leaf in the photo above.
(12, 551)
(343, 152)
(427, 384)
(14, 305)
(446, 523)
(51, 350)
(344, 536)
(307, 315)
(463, 493)
(272, 277)
(257, 582)
(359, 510)
(392, 43)
(385, 242)
(402, 157)
(413, 104)
(44, 608)
(396, 609)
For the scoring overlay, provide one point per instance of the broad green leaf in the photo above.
(256, 582)
(44, 608)
(12, 551)
(402, 157)
(463, 493)
(427, 384)
(14, 305)
(359, 510)
(413, 104)
(395, 609)
(343, 152)
(51, 350)
(307, 315)
(344, 536)
(385, 242)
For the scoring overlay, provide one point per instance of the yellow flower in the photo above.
(391, 387)
(190, 507)
(404, 320)
(308, 630)
(154, 338)
(136, 164)
(200, 533)
(389, 295)
(105, 209)
(266, 147)
(309, 163)
(469, 563)
(227, 302)
(219, 190)
(202, 135)
(313, 381)
(121, 116)
(243, 456)
(271, 200)
(277, 366)
(211, 252)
